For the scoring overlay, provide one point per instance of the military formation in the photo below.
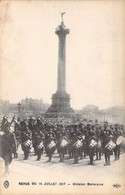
(67, 138)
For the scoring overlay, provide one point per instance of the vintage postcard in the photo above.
(62, 100)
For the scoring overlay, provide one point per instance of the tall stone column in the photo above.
(60, 106)
(61, 31)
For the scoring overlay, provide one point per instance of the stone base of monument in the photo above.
(60, 106)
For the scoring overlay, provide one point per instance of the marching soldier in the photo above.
(31, 124)
(117, 134)
(34, 130)
(34, 140)
(77, 139)
(26, 142)
(92, 142)
(39, 123)
(40, 137)
(99, 147)
(106, 138)
(24, 125)
(7, 146)
(83, 148)
(50, 145)
(71, 134)
(5, 123)
(62, 145)
(17, 133)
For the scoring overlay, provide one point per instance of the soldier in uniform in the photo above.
(34, 129)
(99, 147)
(40, 137)
(117, 133)
(91, 147)
(24, 125)
(39, 122)
(58, 134)
(5, 123)
(62, 145)
(50, 145)
(17, 133)
(25, 140)
(77, 145)
(31, 123)
(7, 147)
(35, 139)
(106, 137)
(71, 141)
(84, 147)
(87, 137)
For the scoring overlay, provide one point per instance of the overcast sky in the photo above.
(95, 65)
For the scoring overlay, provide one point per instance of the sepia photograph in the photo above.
(62, 97)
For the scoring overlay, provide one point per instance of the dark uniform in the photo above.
(34, 139)
(106, 137)
(77, 145)
(5, 123)
(62, 145)
(50, 145)
(7, 147)
(71, 142)
(26, 143)
(99, 144)
(58, 134)
(92, 149)
(84, 147)
(40, 137)
(117, 133)
(17, 133)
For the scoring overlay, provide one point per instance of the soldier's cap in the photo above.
(5, 117)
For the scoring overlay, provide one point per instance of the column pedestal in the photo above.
(60, 106)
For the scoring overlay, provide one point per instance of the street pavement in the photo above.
(42, 177)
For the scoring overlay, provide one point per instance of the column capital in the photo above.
(62, 30)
